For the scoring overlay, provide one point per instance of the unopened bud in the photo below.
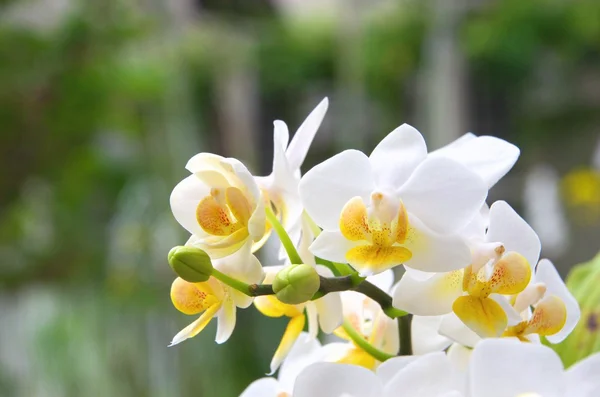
(296, 284)
(191, 264)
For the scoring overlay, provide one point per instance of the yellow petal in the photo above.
(483, 315)
(377, 258)
(238, 205)
(194, 328)
(357, 356)
(192, 298)
(213, 218)
(511, 274)
(401, 224)
(292, 331)
(353, 220)
(270, 306)
(549, 317)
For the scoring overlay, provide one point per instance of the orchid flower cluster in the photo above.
(466, 317)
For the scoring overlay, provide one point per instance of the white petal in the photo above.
(388, 369)
(284, 176)
(225, 321)
(205, 162)
(303, 137)
(257, 221)
(327, 187)
(431, 297)
(306, 350)
(425, 335)
(383, 280)
(264, 387)
(512, 315)
(460, 356)
(330, 379)
(508, 228)
(330, 313)
(185, 199)
(335, 351)
(331, 245)
(428, 376)
(583, 379)
(489, 157)
(246, 180)
(546, 273)
(397, 155)
(313, 319)
(443, 194)
(243, 266)
(505, 367)
(453, 328)
(432, 252)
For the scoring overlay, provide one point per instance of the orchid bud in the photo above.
(191, 264)
(296, 284)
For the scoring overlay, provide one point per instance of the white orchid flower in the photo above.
(324, 313)
(507, 368)
(368, 320)
(502, 263)
(556, 312)
(220, 204)
(306, 351)
(280, 188)
(395, 207)
(489, 157)
(432, 375)
(213, 298)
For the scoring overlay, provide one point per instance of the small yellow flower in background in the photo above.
(581, 192)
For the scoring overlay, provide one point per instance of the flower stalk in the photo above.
(361, 342)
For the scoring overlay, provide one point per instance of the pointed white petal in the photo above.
(443, 194)
(331, 245)
(583, 379)
(493, 373)
(546, 273)
(508, 228)
(329, 379)
(456, 330)
(489, 157)
(306, 350)
(264, 387)
(327, 187)
(225, 321)
(284, 176)
(185, 199)
(397, 155)
(296, 152)
(429, 376)
(431, 297)
(433, 252)
(425, 335)
(330, 313)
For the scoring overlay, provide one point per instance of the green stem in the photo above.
(361, 342)
(404, 325)
(283, 236)
(247, 289)
(381, 297)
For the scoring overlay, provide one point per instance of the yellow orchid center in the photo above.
(192, 298)
(509, 275)
(548, 318)
(224, 212)
(380, 231)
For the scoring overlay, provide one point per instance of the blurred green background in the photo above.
(103, 102)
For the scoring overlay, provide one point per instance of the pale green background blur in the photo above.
(103, 102)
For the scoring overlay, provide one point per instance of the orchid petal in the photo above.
(330, 379)
(264, 387)
(185, 199)
(425, 335)
(197, 326)
(331, 245)
(296, 152)
(389, 368)
(582, 377)
(292, 332)
(306, 350)
(225, 321)
(329, 309)
(453, 328)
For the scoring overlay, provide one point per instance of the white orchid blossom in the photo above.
(281, 187)
(306, 351)
(220, 204)
(394, 207)
(213, 298)
(502, 263)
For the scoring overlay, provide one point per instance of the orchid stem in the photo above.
(404, 325)
(283, 237)
(381, 297)
(361, 342)
(247, 289)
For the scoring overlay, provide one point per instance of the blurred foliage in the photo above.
(99, 113)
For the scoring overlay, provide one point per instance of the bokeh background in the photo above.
(103, 102)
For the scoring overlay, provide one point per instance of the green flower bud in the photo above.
(296, 284)
(191, 264)
(583, 281)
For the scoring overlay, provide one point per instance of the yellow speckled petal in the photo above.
(401, 224)
(484, 316)
(292, 332)
(511, 274)
(373, 258)
(549, 316)
(197, 326)
(191, 298)
(353, 220)
(270, 306)
(213, 218)
(238, 204)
